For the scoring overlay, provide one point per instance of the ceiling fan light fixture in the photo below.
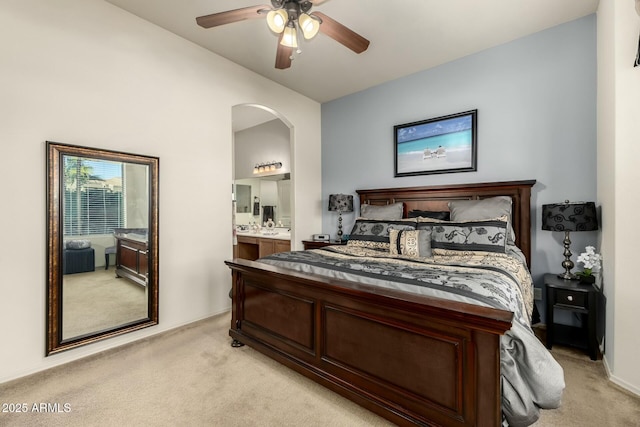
(309, 26)
(285, 18)
(290, 36)
(277, 20)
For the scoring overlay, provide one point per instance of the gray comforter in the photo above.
(531, 378)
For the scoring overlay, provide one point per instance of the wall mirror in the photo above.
(273, 191)
(102, 232)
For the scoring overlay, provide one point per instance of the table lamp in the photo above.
(340, 203)
(567, 217)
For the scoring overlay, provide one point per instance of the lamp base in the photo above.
(567, 263)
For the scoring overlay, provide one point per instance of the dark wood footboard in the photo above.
(411, 359)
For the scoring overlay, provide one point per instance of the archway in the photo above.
(262, 136)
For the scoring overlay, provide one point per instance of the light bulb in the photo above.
(309, 26)
(289, 37)
(277, 19)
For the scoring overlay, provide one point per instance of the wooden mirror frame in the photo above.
(55, 151)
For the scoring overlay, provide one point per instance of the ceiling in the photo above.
(406, 36)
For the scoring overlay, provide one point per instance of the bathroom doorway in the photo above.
(262, 171)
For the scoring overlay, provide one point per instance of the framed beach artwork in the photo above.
(440, 145)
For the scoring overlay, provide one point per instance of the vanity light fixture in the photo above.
(266, 167)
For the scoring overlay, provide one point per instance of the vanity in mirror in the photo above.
(261, 198)
(263, 216)
(102, 231)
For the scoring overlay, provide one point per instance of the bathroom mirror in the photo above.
(102, 232)
(273, 192)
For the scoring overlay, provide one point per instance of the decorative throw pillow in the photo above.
(374, 234)
(391, 212)
(443, 215)
(77, 244)
(491, 207)
(488, 235)
(413, 243)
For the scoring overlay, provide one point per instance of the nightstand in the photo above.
(315, 244)
(582, 299)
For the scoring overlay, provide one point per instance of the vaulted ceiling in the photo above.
(406, 36)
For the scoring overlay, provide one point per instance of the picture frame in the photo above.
(444, 144)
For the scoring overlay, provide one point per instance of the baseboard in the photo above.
(617, 381)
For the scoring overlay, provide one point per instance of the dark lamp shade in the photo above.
(341, 202)
(577, 216)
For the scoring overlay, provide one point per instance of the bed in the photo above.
(413, 358)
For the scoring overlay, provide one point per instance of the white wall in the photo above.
(261, 144)
(618, 175)
(85, 72)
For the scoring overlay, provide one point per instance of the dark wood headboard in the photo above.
(436, 198)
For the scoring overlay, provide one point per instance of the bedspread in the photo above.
(531, 378)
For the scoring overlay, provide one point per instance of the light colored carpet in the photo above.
(97, 300)
(590, 399)
(193, 377)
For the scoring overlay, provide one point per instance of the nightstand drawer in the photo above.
(571, 298)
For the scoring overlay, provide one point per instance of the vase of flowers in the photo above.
(591, 261)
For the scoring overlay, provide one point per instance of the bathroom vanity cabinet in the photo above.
(252, 247)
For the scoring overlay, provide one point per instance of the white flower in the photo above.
(590, 259)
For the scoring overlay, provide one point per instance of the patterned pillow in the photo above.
(491, 207)
(390, 212)
(372, 233)
(413, 243)
(485, 235)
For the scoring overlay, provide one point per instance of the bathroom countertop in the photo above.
(280, 234)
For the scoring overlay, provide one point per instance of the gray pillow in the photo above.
(474, 210)
(390, 212)
(77, 244)
(471, 210)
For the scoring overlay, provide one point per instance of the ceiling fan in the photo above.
(288, 18)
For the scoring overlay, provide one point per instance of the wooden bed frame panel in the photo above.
(412, 359)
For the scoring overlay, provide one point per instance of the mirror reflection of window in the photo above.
(243, 198)
(93, 196)
(284, 201)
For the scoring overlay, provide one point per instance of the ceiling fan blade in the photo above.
(342, 34)
(283, 55)
(230, 16)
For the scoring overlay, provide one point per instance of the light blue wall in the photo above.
(536, 101)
